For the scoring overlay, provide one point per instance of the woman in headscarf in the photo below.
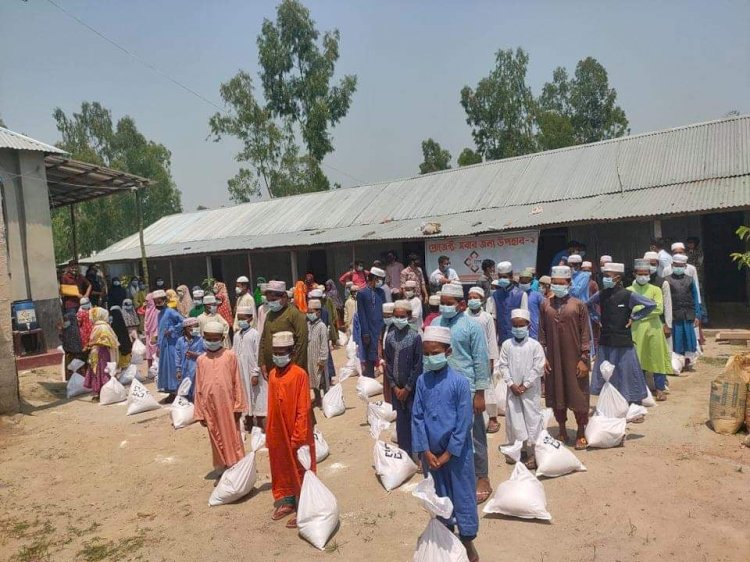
(104, 349)
(310, 282)
(133, 288)
(70, 337)
(300, 296)
(84, 322)
(185, 301)
(120, 329)
(132, 322)
(151, 328)
(258, 294)
(117, 293)
(172, 299)
(225, 307)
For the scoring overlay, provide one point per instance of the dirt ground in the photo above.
(80, 481)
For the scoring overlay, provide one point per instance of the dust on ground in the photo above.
(80, 481)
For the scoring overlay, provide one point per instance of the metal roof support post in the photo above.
(209, 268)
(171, 274)
(657, 228)
(295, 273)
(250, 271)
(139, 210)
(74, 237)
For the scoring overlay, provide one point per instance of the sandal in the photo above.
(661, 396)
(483, 496)
(292, 523)
(493, 427)
(581, 444)
(563, 437)
(531, 463)
(282, 511)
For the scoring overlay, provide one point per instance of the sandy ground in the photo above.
(80, 481)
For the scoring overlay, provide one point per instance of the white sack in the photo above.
(75, 365)
(392, 464)
(138, 352)
(321, 446)
(522, 495)
(611, 403)
(436, 543)
(376, 422)
(333, 400)
(343, 338)
(183, 412)
(490, 400)
(318, 511)
(153, 370)
(678, 363)
(649, 401)
(603, 432)
(367, 387)
(129, 374)
(112, 391)
(351, 349)
(140, 399)
(552, 457)
(635, 411)
(382, 410)
(75, 386)
(501, 393)
(238, 481)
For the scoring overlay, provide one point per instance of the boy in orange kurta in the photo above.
(220, 398)
(288, 426)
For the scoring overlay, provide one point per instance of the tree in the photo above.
(468, 157)
(2, 123)
(742, 259)
(500, 109)
(92, 136)
(299, 101)
(435, 157)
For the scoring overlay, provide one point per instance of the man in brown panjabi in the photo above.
(566, 337)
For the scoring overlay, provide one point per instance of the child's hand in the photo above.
(179, 375)
(432, 460)
(583, 370)
(515, 389)
(254, 380)
(479, 405)
(547, 367)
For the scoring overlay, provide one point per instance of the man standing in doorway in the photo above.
(393, 269)
(245, 299)
(413, 272)
(443, 274)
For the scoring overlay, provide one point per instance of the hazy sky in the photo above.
(672, 63)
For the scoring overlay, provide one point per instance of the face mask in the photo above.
(434, 362)
(312, 316)
(274, 306)
(115, 283)
(243, 324)
(652, 269)
(524, 286)
(401, 323)
(678, 270)
(86, 306)
(212, 308)
(520, 333)
(141, 287)
(110, 320)
(642, 279)
(360, 268)
(160, 283)
(212, 345)
(379, 283)
(504, 282)
(475, 304)
(180, 294)
(409, 294)
(195, 332)
(238, 291)
(281, 360)
(560, 291)
(448, 311)
(608, 282)
(66, 324)
(198, 301)
(388, 321)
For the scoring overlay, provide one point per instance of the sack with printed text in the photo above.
(553, 459)
(238, 480)
(437, 543)
(183, 410)
(140, 399)
(393, 465)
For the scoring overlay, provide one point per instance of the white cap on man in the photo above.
(575, 258)
(605, 259)
(315, 294)
(245, 310)
(276, 287)
(613, 267)
(651, 256)
(520, 313)
(678, 246)
(452, 290)
(213, 327)
(561, 272)
(478, 290)
(680, 259)
(402, 304)
(389, 307)
(283, 339)
(243, 279)
(434, 300)
(438, 334)
(504, 267)
(209, 299)
(313, 304)
(377, 272)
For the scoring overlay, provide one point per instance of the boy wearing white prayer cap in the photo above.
(370, 301)
(507, 298)
(410, 293)
(441, 433)
(487, 322)
(244, 298)
(317, 351)
(686, 308)
(521, 366)
(211, 314)
(246, 345)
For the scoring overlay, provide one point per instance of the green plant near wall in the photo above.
(742, 259)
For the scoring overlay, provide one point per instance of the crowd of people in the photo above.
(441, 347)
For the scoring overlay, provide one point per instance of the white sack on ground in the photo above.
(140, 399)
(393, 465)
(138, 352)
(238, 481)
(321, 446)
(318, 511)
(75, 386)
(611, 403)
(383, 410)
(333, 400)
(112, 391)
(436, 543)
(553, 459)
(635, 411)
(649, 401)
(367, 387)
(603, 432)
(678, 363)
(501, 393)
(128, 374)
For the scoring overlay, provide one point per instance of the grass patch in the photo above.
(98, 549)
(41, 534)
(714, 361)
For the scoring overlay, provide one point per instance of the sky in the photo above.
(672, 64)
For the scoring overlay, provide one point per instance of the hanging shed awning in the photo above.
(72, 181)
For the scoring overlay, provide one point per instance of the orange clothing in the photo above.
(300, 296)
(218, 396)
(288, 427)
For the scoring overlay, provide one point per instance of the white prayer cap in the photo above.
(561, 271)
(276, 287)
(410, 284)
(438, 334)
(574, 258)
(84, 300)
(354, 288)
(641, 263)
(504, 267)
(313, 304)
(243, 279)
(213, 327)
(198, 293)
(587, 264)
(678, 246)
(527, 272)
(546, 279)
(245, 310)
(263, 287)
(613, 267)
(477, 290)
(189, 322)
(377, 272)
(651, 256)
(315, 294)
(679, 258)
(451, 290)
(389, 307)
(520, 313)
(290, 293)
(349, 284)
(605, 259)
(402, 305)
(209, 299)
(159, 294)
(283, 339)
(434, 300)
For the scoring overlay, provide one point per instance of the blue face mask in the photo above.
(281, 360)
(388, 321)
(520, 333)
(213, 345)
(434, 362)
(504, 282)
(652, 269)
(274, 306)
(378, 283)
(524, 286)
(475, 304)
(678, 270)
(312, 317)
(642, 279)
(448, 310)
(608, 282)
(400, 323)
(560, 291)
(195, 332)
(243, 324)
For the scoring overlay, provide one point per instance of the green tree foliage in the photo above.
(468, 157)
(435, 157)
(742, 259)
(500, 109)
(93, 137)
(300, 100)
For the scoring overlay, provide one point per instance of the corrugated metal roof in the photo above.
(17, 141)
(689, 169)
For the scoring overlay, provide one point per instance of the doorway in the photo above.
(551, 241)
(317, 264)
(724, 282)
